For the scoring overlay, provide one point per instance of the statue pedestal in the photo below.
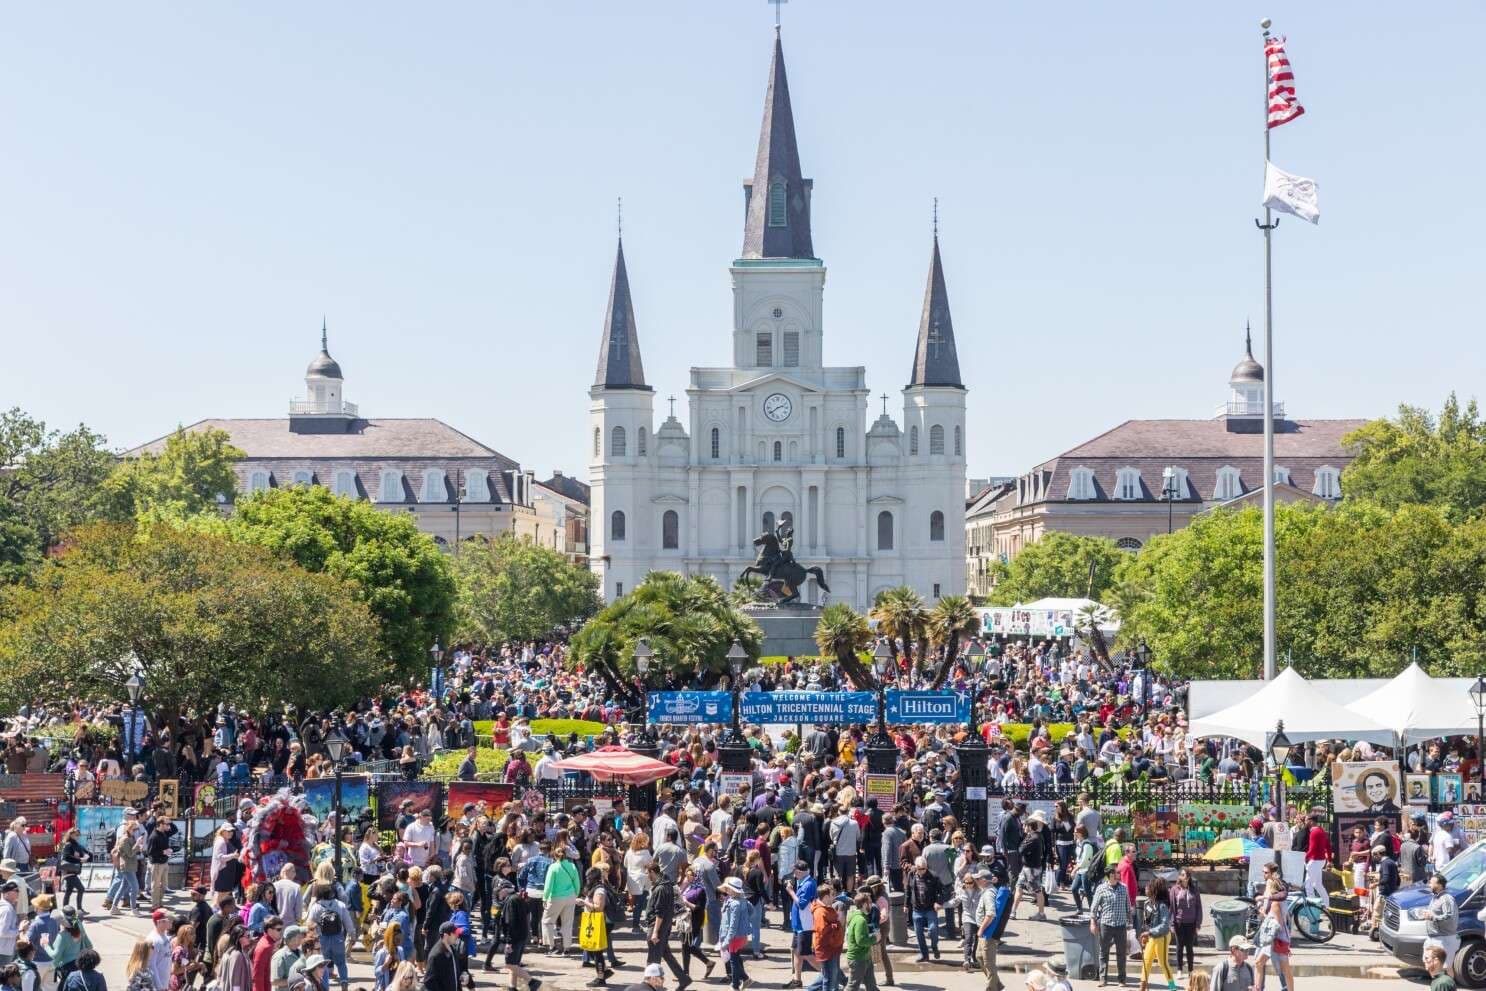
(789, 631)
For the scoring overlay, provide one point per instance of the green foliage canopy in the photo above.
(1057, 564)
(187, 477)
(513, 589)
(50, 482)
(400, 572)
(1420, 458)
(205, 618)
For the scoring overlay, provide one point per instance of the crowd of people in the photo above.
(697, 879)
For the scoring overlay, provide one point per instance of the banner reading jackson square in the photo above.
(809, 707)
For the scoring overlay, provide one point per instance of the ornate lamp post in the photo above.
(1478, 696)
(643, 654)
(974, 774)
(882, 754)
(734, 751)
(135, 687)
(339, 749)
(1143, 664)
(642, 799)
(1169, 490)
(1279, 750)
(436, 655)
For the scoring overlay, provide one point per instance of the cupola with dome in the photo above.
(1244, 411)
(324, 409)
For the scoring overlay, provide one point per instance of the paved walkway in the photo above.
(1335, 966)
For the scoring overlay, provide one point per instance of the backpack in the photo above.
(831, 936)
(329, 923)
(1097, 865)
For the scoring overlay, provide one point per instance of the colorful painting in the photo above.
(1204, 823)
(355, 795)
(1472, 794)
(1418, 789)
(1472, 820)
(1153, 850)
(391, 795)
(1447, 789)
(1365, 786)
(493, 794)
(1160, 824)
(96, 824)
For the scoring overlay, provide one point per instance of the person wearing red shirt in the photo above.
(1317, 855)
(273, 931)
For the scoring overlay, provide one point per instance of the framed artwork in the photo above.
(1365, 786)
(1447, 789)
(1418, 789)
(1471, 792)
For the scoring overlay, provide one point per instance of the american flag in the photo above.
(1283, 107)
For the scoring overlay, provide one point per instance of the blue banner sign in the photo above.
(928, 707)
(809, 707)
(689, 708)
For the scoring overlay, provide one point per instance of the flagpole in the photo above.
(1268, 227)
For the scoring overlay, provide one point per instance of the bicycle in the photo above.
(1309, 919)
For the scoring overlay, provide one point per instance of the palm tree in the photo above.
(841, 632)
(952, 618)
(900, 614)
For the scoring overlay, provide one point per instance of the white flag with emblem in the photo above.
(1291, 194)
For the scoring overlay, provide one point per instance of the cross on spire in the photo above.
(884, 404)
(619, 219)
(777, 4)
(936, 216)
(672, 401)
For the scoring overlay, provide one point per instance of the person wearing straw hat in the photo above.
(732, 933)
(1034, 857)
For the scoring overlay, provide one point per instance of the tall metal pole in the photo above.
(1268, 227)
(335, 837)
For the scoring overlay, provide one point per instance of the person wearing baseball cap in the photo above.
(1235, 973)
(441, 971)
(654, 979)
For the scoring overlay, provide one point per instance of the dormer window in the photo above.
(1127, 484)
(1229, 485)
(1081, 484)
(1328, 483)
(778, 204)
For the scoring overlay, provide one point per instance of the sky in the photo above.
(186, 189)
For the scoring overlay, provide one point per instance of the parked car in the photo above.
(1403, 932)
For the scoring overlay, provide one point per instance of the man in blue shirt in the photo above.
(801, 919)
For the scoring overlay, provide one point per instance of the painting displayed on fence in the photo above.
(355, 795)
(392, 794)
(493, 794)
(1204, 823)
(1157, 832)
(1447, 789)
(1365, 786)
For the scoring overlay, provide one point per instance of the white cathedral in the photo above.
(778, 435)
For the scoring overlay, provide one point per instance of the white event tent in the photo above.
(1418, 707)
(1306, 713)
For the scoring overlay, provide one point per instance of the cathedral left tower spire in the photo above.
(620, 366)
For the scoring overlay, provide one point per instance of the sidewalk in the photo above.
(1335, 966)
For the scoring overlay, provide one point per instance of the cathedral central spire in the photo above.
(778, 198)
(619, 352)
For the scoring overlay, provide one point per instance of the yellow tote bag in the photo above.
(593, 932)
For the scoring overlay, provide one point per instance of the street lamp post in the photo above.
(339, 748)
(1279, 749)
(1478, 696)
(643, 654)
(1168, 492)
(1143, 664)
(734, 751)
(436, 654)
(882, 662)
(135, 687)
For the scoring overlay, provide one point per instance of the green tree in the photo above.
(513, 589)
(399, 571)
(900, 614)
(951, 618)
(191, 475)
(204, 618)
(690, 624)
(1057, 564)
(1420, 458)
(840, 633)
(50, 482)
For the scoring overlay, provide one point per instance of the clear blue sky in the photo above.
(186, 188)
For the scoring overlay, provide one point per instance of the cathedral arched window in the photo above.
(840, 442)
(936, 525)
(884, 531)
(936, 439)
(670, 530)
(616, 525)
(597, 433)
(778, 451)
(616, 443)
(716, 443)
(778, 204)
(959, 448)
(787, 519)
(641, 443)
(769, 522)
(913, 440)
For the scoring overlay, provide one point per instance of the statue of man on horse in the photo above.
(783, 576)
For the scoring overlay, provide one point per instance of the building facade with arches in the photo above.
(777, 435)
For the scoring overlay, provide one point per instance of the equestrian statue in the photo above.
(783, 576)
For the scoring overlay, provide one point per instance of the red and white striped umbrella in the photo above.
(618, 764)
